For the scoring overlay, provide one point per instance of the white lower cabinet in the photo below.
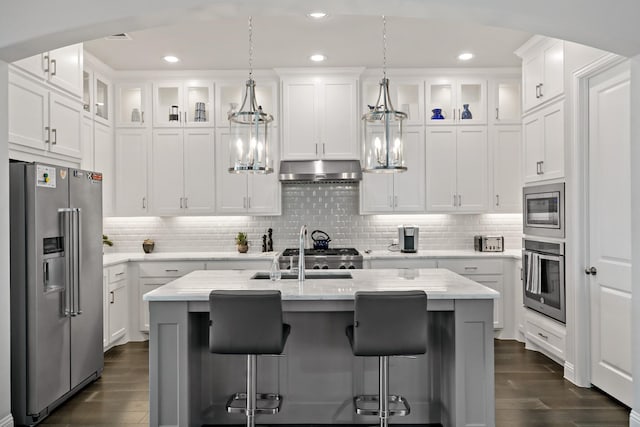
(262, 265)
(116, 305)
(401, 263)
(545, 335)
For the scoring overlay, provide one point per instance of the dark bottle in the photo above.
(270, 241)
(264, 243)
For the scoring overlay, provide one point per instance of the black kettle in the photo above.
(320, 239)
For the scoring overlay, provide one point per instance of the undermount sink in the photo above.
(264, 275)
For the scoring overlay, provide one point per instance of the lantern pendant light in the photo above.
(250, 129)
(383, 126)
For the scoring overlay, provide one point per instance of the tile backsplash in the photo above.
(332, 208)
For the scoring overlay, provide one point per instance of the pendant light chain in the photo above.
(250, 47)
(384, 46)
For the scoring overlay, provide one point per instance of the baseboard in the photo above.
(7, 421)
(634, 419)
(569, 372)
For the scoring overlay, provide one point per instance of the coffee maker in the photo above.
(408, 238)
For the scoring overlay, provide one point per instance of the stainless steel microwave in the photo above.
(543, 210)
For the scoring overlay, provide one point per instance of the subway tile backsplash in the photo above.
(332, 208)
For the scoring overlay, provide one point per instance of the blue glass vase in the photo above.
(437, 114)
(466, 114)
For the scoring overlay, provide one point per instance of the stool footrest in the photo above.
(266, 403)
(398, 405)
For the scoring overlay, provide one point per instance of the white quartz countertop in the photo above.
(437, 283)
(452, 253)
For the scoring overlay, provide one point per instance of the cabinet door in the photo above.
(105, 308)
(167, 172)
(199, 178)
(87, 144)
(167, 104)
(29, 113)
(473, 93)
(198, 103)
(230, 93)
(532, 145)
(103, 101)
(409, 186)
(118, 311)
(131, 105)
(338, 137)
(263, 194)
(553, 124)
(65, 120)
(147, 285)
(231, 188)
(531, 79)
(300, 115)
(441, 168)
(497, 284)
(34, 65)
(376, 193)
(505, 106)
(65, 68)
(472, 168)
(553, 70)
(104, 161)
(131, 180)
(507, 185)
(440, 94)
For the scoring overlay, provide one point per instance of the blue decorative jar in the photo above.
(466, 114)
(437, 114)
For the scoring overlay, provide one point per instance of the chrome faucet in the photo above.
(303, 235)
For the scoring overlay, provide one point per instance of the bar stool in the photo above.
(249, 323)
(387, 324)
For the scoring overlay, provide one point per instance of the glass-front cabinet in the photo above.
(456, 101)
(183, 103)
(230, 94)
(505, 101)
(102, 98)
(132, 108)
(96, 96)
(407, 95)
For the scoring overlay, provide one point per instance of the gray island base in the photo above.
(453, 384)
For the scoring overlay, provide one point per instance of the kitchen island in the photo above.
(452, 384)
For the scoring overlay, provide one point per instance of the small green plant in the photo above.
(106, 241)
(241, 239)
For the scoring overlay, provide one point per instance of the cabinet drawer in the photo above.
(472, 266)
(402, 263)
(264, 265)
(117, 272)
(551, 340)
(168, 269)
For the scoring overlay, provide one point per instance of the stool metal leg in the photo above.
(251, 389)
(383, 393)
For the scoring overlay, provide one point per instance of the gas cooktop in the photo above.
(322, 252)
(340, 258)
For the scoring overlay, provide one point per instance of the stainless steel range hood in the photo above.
(320, 171)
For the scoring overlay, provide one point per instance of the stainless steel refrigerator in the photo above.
(56, 286)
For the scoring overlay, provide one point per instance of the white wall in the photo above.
(634, 420)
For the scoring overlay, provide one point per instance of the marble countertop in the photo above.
(437, 283)
(451, 253)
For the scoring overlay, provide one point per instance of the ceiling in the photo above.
(288, 41)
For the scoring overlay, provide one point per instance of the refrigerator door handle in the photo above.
(65, 220)
(77, 234)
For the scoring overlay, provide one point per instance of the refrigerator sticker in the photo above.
(63, 173)
(46, 176)
(95, 177)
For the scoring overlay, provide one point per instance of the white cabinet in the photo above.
(183, 103)
(401, 263)
(116, 307)
(320, 117)
(505, 105)
(255, 194)
(506, 182)
(181, 176)
(133, 105)
(398, 192)
(97, 97)
(545, 335)
(230, 94)
(407, 95)
(104, 161)
(88, 149)
(451, 95)
(543, 143)
(457, 158)
(61, 67)
(43, 120)
(542, 71)
(131, 180)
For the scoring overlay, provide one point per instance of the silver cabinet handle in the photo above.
(48, 130)
(171, 270)
(144, 203)
(120, 274)
(497, 200)
(455, 200)
(142, 117)
(185, 203)
(46, 60)
(541, 94)
(454, 114)
(471, 267)
(497, 114)
(459, 115)
(390, 201)
(248, 202)
(323, 152)
(244, 203)
(54, 140)
(180, 202)
(395, 201)
(113, 298)
(185, 117)
(538, 91)
(54, 65)
(459, 200)
(316, 149)
(541, 167)
(541, 335)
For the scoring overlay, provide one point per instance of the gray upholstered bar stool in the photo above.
(387, 324)
(248, 323)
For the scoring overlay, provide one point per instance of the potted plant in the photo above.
(241, 242)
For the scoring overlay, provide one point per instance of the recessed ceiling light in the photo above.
(317, 15)
(465, 56)
(171, 58)
(318, 57)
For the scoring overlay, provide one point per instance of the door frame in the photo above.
(578, 370)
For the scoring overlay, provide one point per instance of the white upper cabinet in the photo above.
(505, 143)
(505, 101)
(183, 103)
(132, 147)
(230, 94)
(543, 143)
(398, 192)
(542, 71)
(460, 101)
(97, 97)
(60, 67)
(407, 95)
(104, 161)
(320, 117)
(65, 126)
(133, 105)
(457, 159)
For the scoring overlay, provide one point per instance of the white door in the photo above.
(473, 157)
(118, 311)
(29, 113)
(300, 120)
(553, 124)
(339, 124)
(104, 161)
(231, 188)
(409, 186)
(473, 93)
(532, 147)
(441, 168)
(610, 232)
(167, 172)
(65, 68)
(531, 79)
(167, 104)
(131, 172)
(507, 185)
(199, 172)
(553, 71)
(65, 120)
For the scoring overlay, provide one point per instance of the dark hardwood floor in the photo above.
(530, 392)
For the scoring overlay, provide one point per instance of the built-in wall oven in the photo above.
(543, 278)
(543, 210)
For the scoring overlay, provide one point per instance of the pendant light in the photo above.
(250, 129)
(383, 127)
